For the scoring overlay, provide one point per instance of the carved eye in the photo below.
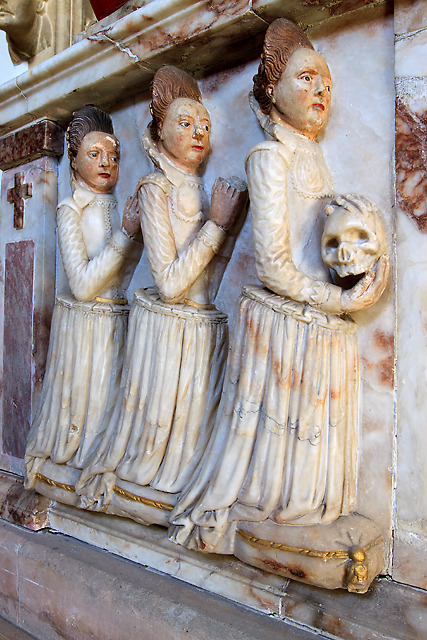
(185, 124)
(307, 78)
(114, 159)
(206, 127)
(328, 88)
(332, 243)
(92, 154)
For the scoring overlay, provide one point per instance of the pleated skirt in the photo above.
(170, 391)
(81, 383)
(285, 440)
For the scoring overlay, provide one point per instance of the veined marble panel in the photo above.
(39, 228)
(411, 145)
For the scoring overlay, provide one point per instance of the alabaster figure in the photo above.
(27, 27)
(177, 341)
(284, 446)
(99, 254)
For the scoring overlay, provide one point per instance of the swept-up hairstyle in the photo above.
(84, 121)
(169, 83)
(282, 38)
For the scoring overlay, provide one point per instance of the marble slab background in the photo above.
(410, 546)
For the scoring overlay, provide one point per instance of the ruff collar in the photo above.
(174, 174)
(309, 173)
(84, 196)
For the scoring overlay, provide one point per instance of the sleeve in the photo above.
(88, 277)
(267, 174)
(173, 273)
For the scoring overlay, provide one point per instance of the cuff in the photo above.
(122, 244)
(328, 298)
(212, 235)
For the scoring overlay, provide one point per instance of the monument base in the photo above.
(347, 553)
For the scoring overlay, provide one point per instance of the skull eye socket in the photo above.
(363, 236)
(332, 243)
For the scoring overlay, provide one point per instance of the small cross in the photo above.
(16, 196)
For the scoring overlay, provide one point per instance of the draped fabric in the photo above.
(170, 394)
(285, 441)
(81, 384)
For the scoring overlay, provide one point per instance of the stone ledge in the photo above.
(62, 588)
(37, 565)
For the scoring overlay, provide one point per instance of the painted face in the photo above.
(97, 162)
(302, 96)
(351, 244)
(184, 137)
(17, 14)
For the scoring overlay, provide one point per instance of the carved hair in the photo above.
(281, 40)
(169, 83)
(354, 204)
(86, 120)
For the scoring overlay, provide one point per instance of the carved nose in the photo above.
(344, 253)
(104, 160)
(320, 85)
(198, 130)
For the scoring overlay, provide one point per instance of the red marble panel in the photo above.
(411, 166)
(17, 337)
(41, 139)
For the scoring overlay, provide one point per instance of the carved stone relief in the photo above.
(37, 29)
(267, 470)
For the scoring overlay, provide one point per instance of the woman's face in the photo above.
(302, 96)
(17, 14)
(97, 162)
(185, 132)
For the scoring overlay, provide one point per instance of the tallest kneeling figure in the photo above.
(283, 451)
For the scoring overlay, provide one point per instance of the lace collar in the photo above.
(84, 196)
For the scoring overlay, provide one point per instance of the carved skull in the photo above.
(353, 238)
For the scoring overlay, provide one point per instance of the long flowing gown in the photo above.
(284, 444)
(88, 333)
(176, 353)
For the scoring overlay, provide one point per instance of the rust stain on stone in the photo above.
(278, 567)
(384, 366)
(411, 164)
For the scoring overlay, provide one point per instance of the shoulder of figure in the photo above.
(69, 203)
(156, 179)
(271, 151)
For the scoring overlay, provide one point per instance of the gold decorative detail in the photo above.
(147, 501)
(197, 305)
(340, 554)
(54, 483)
(357, 570)
(121, 301)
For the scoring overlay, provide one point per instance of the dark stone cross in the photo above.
(16, 196)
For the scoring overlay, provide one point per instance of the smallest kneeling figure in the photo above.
(99, 253)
